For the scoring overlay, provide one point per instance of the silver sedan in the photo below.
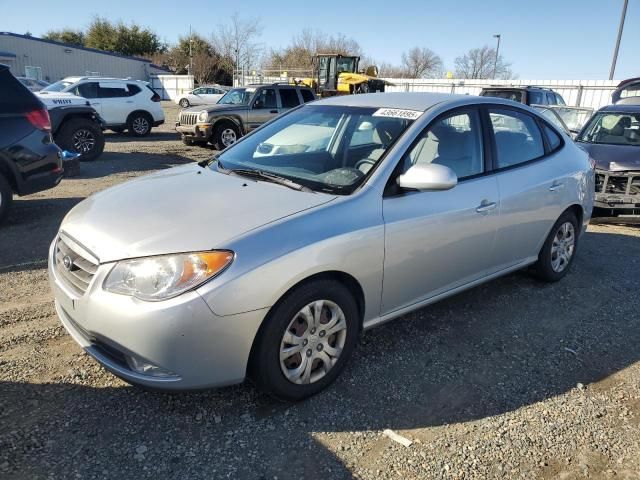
(269, 260)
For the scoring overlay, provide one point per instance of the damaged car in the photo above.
(612, 139)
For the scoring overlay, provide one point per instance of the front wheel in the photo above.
(559, 249)
(83, 136)
(225, 135)
(306, 341)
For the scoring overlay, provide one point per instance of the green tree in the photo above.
(122, 38)
(66, 35)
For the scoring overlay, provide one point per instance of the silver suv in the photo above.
(241, 110)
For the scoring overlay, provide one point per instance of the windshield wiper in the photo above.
(269, 177)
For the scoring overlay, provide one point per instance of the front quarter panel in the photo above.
(345, 235)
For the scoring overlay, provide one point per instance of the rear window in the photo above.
(15, 97)
(515, 95)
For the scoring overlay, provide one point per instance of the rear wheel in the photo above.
(139, 124)
(225, 135)
(559, 249)
(83, 136)
(306, 341)
(6, 197)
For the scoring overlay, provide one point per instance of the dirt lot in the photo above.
(513, 379)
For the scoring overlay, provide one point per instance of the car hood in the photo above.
(182, 209)
(615, 158)
(215, 108)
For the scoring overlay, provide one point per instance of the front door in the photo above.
(263, 108)
(439, 240)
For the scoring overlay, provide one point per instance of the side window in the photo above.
(198, 91)
(87, 90)
(551, 98)
(536, 98)
(133, 89)
(266, 99)
(553, 138)
(560, 100)
(517, 136)
(307, 96)
(289, 97)
(112, 91)
(454, 141)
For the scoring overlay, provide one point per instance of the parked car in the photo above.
(270, 262)
(528, 95)
(238, 112)
(33, 84)
(627, 92)
(569, 119)
(205, 95)
(122, 103)
(612, 138)
(29, 160)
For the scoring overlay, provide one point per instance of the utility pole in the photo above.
(190, 52)
(615, 52)
(495, 61)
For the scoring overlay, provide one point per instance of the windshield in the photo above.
(58, 86)
(613, 129)
(322, 147)
(346, 64)
(515, 95)
(237, 96)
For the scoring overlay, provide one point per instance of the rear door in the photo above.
(289, 98)
(263, 107)
(115, 101)
(529, 180)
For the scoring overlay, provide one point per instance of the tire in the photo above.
(562, 241)
(302, 373)
(139, 124)
(83, 136)
(6, 197)
(225, 135)
(184, 103)
(187, 141)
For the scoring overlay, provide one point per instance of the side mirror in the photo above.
(428, 176)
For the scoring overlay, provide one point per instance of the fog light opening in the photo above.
(144, 367)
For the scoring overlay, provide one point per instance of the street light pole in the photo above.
(495, 61)
(615, 52)
(190, 52)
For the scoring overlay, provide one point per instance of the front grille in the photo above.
(74, 266)
(187, 118)
(617, 185)
(620, 183)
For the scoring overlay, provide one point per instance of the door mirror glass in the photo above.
(428, 176)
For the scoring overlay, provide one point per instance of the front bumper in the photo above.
(618, 191)
(180, 335)
(200, 131)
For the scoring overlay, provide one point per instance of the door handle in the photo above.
(273, 111)
(555, 186)
(486, 206)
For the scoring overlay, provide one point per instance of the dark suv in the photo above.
(29, 160)
(527, 95)
(238, 112)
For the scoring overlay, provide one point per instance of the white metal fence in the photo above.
(579, 93)
(170, 86)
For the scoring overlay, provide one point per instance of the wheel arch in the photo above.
(345, 279)
(144, 112)
(229, 119)
(9, 173)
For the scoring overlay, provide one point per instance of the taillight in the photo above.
(39, 119)
(155, 98)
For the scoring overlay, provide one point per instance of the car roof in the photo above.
(516, 87)
(622, 108)
(402, 100)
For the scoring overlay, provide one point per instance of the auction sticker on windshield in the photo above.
(398, 113)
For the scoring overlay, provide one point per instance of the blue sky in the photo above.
(544, 39)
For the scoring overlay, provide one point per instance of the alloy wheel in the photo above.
(140, 125)
(228, 137)
(83, 140)
(563, 247)
(313, 342)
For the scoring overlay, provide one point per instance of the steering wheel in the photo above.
(364, 161)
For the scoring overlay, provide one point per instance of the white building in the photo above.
(51, 61)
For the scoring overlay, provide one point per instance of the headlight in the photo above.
(165, 276)
(203, 116)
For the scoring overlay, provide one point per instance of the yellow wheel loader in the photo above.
(338, 75)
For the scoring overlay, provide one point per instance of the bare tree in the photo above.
(388, 70)
(480, 62)
(237, 41)
(421, 63)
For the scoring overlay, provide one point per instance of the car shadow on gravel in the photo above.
(154, 136)
(488, 351)
(111, 163)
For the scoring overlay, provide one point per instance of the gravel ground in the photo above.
(513, 379)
